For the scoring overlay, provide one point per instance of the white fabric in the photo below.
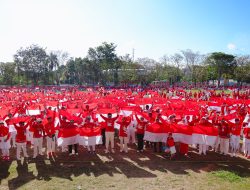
(183, 138)
(90, 141)
(67, 141)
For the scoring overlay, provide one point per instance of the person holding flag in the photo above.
(109, 131)
(123, 133)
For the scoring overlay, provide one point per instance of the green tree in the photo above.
(33, 62)
(8, 73)
(223, 64)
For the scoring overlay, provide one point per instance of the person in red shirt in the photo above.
(21, 139)
(109, 131)
(4, 140)
(38, 132)
(170, 145)
(140, 130)
(224, 134)
(235, 132)
(123, 136)
(91, 125)
(50, 132)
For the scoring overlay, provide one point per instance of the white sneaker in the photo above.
(106, 151)
(120, 150)
(113, 151)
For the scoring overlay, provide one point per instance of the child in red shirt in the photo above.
(170, 146)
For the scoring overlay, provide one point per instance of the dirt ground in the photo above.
(134, 170)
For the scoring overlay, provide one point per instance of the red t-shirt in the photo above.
(123, 128)
(37, 129)
(235, 129)
(170, 141)
(109, 123)
(247, 133)
(49, 129)
(224, 131)
(21, 133)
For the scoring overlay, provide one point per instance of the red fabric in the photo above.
(68, 131)
(90, 130)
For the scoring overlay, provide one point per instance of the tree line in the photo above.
(33, 65)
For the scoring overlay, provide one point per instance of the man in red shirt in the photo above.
(90, 125)
(140, 130)
(21, 141)
(235, 136)
(109, 131)
(38, 132)
(224, 133)
(50, 131)
(123, 136)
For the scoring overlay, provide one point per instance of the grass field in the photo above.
(127, 171)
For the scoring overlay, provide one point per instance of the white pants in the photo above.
(224, 145)
(18, 150)
(89, 147)
(235, 143)
(38, 143)
(247, 147)
(217, 143)
(109, 138)
(6, 152)
(13, 139)
(202, 149)
(51, 144)
(244, 146)
(131, 134)
(124, 144)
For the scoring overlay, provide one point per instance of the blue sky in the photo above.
(152, 27)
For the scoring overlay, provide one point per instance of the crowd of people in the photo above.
(165, 120)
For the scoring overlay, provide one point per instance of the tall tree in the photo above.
(223, 64)
(33, 62)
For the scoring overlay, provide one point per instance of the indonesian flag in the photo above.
(156, 133)
(90, 136)
(204, 135)
(214, 106)
(182, 133)
(33, 110)
(68, 136)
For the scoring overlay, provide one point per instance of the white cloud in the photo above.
(231, 46)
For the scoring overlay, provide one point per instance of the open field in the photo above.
(127, 171)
